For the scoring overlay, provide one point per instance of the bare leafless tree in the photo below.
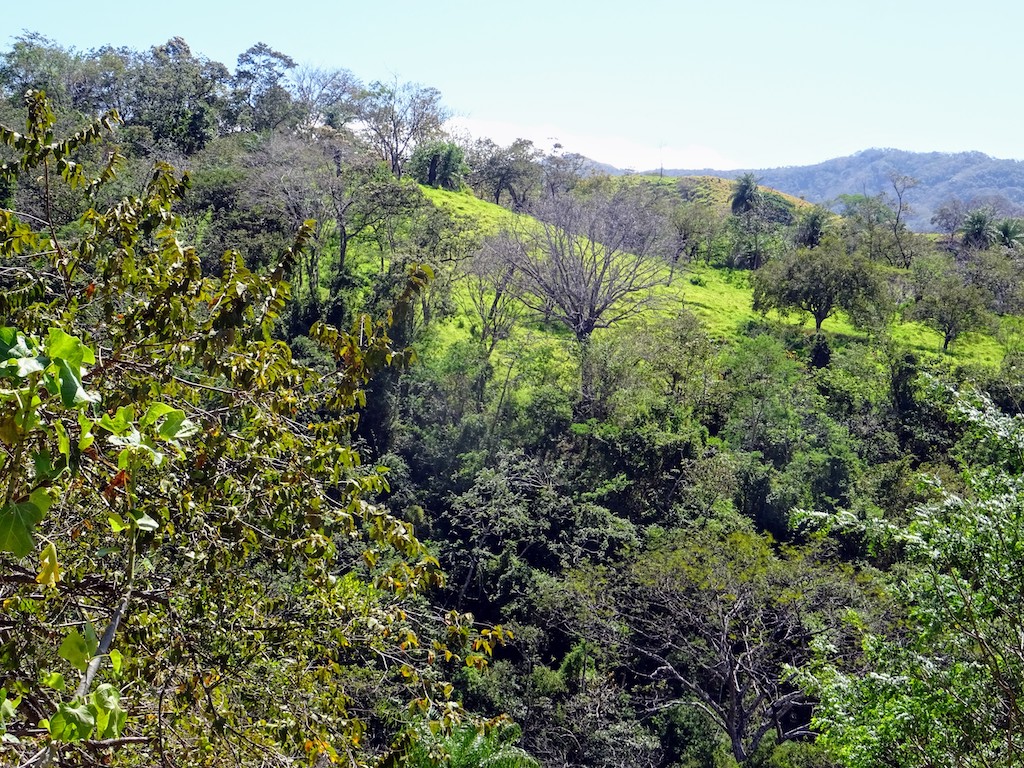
(326, 96)
(586, 262)
(902, 237)
(285, 176)
(490, 291)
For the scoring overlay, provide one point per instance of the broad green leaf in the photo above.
(154, 412)
(16, 523)
(116, 661)
(49, 572)
(144, 521)
(42, 499)
(85, 425)
(63, 441)
(91, 642)
(72, 723)
(8, 337)
(61, 345)
(43, 463)
(8, 709)
(26, 366)
(177, 427)
(53, 680)
(110, 718)
(135, 445)
(132, 438)
(121, 422)
(72, 393)
(14, 344)
(75, 650)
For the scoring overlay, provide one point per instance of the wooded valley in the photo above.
(328, 437)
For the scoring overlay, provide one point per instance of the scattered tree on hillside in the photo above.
(812, 226)
(745, 194)
(819, 281)
(587, 263)
(176, 98)
(286, 177)
(901, 236)
(496, 170)
(1010, 234)
(397, 116)
(876, 226)
(949, 217)
(491, 291)
(978, 230)
(347, 193)
(35, 62)
(758, 216)
(694, 227)
(438, 164)
(946, 302)
(562, 171)
(261, 100)
(325, 97)
(865, 223)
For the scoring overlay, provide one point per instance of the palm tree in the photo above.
(812, 227)
(1010, 233)
(745, 194)
(979, 229)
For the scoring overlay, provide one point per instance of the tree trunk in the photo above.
(586, 374)
(432, 170)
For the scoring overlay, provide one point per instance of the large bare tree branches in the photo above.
(586, 262)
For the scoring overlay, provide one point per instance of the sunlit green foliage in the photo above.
(191, 570)
(946, 689)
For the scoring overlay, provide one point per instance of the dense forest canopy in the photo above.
(329, 437)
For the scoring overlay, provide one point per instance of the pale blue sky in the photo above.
(693, 84)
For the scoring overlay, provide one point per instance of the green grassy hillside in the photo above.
(721, 298)
(713, 190)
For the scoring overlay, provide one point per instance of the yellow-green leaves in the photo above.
(8, 711)
(171, 423)
(138, 441)
(72, 722)
(100, 716)
(78, 648)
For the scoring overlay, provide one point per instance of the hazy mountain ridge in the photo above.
(973, 177)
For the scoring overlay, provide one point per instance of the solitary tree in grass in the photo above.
(819, 281)
(947, 303)
(398, 116)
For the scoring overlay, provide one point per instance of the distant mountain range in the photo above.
(973, 177)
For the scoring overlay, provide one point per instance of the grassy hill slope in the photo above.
(721, 298)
